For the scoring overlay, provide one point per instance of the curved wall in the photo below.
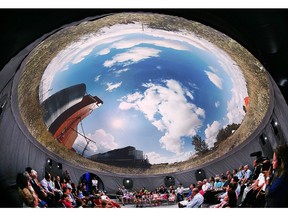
(19, 149)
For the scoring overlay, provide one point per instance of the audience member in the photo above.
(179, 192)
(277, 181)
(195, 202)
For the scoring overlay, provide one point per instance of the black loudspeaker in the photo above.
(128, 183)
(266, 146)
(49, 162)
(169, 181)
(200, 175)
(59, 166)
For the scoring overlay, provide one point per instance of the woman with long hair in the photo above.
(277, 181)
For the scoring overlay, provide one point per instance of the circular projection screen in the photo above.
(139, 91)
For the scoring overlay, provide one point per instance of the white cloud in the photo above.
(113, 37)
(156, 158)
(167, 108)
(97, 78)
(238, 90)
(111, 86)
(133, 55)
(211, 133)
(104, 142)
(104, 51)
(217, 104)
(121, 71)
(168, 43)
(235, 111)
(216, 80)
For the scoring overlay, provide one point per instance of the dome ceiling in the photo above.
(172, 88)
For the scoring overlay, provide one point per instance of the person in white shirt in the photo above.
(206, 186)
(179, 192)
(259, 184)
(195, 202)
(94, 184)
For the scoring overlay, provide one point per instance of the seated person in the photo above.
(119, 194)
(229, 201)
(172, 197)
(195, 202)
(65, 199)
(108, 201)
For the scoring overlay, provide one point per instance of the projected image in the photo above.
(160, 94)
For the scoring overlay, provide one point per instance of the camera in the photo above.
(262, 162)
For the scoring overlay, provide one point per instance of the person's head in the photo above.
(33, 174)
(28, 169)
(22, 181)
(223, 178)
(192, 186)
(67, 190)
(246, 167)
(199, 184)
(255, 163)
(229, 177)
(280, 157)
(232, 186)
(195, 191)
(235, 179)
(65, 196)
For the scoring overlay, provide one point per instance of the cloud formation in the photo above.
(167, 108)
(111, 86)
(104, 142)
(211, 133)
(156, 158)
(114, 36)
(132, 56)
(215, 79)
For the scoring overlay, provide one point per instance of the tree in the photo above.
(224, 133)
(200, 145)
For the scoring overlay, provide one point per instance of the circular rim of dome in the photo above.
(41, 55)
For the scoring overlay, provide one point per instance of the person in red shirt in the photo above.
(66, 201)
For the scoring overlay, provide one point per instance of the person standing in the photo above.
(94, 184)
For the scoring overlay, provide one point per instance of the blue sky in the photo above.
(159, 89)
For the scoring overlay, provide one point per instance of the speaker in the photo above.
(128, 183)
(59, 166)
(169, 181)
(266, 145)
(200, 175)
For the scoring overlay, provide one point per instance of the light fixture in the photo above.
(263, 139)
(128, 183)
(59, 166)
(49, 162)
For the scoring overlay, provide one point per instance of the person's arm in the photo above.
(278, 185)
(191, 203)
